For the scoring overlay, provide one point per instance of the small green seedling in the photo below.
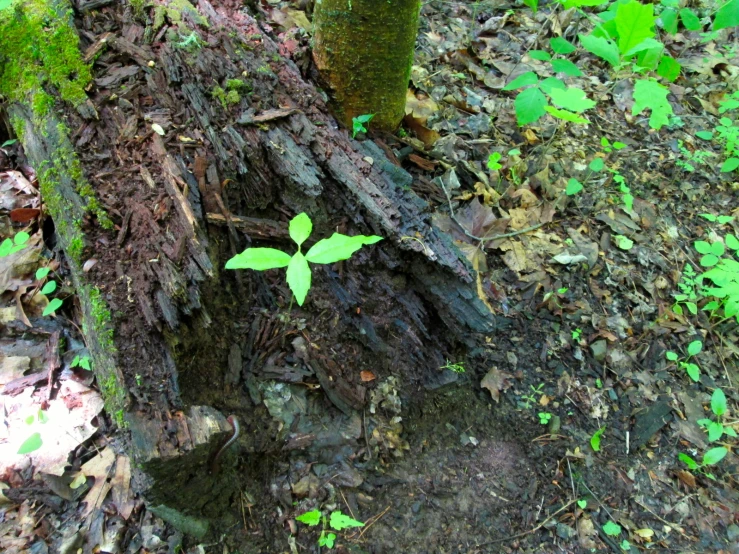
(609, 147)
(595, 439)
(612, 529)
(690, 368)
(720, 219)
(544, 417)
(337, 522)
(573, 187)
(326, 251)
(689, 285)
(582, 504)
(493, 161)
(624, 243)
(456, 368)
(10, 142)
(715, 428)
(530, 399)
(710, 458)
(599, 383)
(34, 442)
(625, 545)
(576, 334)
(358, 123)
(83, 362)
(11, 246)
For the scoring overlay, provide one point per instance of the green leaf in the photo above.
(727, 16)
(566, 67)
(595, 439)
(601, 47)
(493, 164)
(705, 135)
(618, 145)
(702, 247)
(714, 456)
(695, 347)
(582, 504)
(5, 247)
(540, 55)
(523, 80)
(693, 371)
(565, 115)
(573, 187)
(612, 529)
(9, 142)
(533, 4)
(669, 68)
(690, 20)
(634, 23)
(340, 521)
(624, 243)
(327, 540)
(529, 106)
(730, 165)
(42, 272)
(672, 356)
(49, 287)
(596, 164)
(732, 242)
(310, 518)
(300, 228)
(715, 430)
(718, 402)
(709, 260)
(299, 277)
(669, 20)
(717, 248)
(31, 444)
(648, 93)
(551, 83)
(366, 118)
(338, 247)
(646, 44)
(573, 99)
(687, 460)
(43, 417)
(259, 259)
(561, 46)
(21, 238)
(53, 306)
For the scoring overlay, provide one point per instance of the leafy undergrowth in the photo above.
(584, 156)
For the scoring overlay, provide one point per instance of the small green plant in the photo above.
(612, 529)
(11, 246)
(598, 383)
(544, 417)
(533, 4)
(326, 251)
(337, 522)
(715, 427)
(720, 219)
(710, 458)
(723, 273)
(690, 368)
(493, 161)
(596, 438)
(624, 243)
(576, 334)
(359, 124)
(456, 368)
(81, 361)
(49, 287)
(190, 43)
(727, 133)
(582, 504)
(625, 545)
(532, 398)
(573, 187)
(689, 285)
(691, 159)
(9, 142)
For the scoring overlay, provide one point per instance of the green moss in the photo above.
(237, 84)
(138, 8)
(41, 49)
(232, 97)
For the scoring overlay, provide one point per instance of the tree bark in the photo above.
(363, 49)
(177, 342)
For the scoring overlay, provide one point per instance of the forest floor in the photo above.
(570, 433)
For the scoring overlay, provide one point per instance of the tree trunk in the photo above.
(364, 51)
(195, 139)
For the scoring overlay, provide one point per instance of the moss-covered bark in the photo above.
(364, 51)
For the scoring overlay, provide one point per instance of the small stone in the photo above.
(565, 531)
(598, 349)
(732, 532)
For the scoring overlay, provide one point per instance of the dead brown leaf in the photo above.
(495, 381)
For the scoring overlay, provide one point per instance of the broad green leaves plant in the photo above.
(596, 438)
(612, 529)
(11, 246)
(710, 458)
(690, 368)
(326, 251)
(715, 427)
(337, 521)
(723, 274)
(359, 123)
(648, 93)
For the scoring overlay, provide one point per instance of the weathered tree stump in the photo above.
(178, 343)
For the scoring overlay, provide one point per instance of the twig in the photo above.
(534, 530)
(372, 521)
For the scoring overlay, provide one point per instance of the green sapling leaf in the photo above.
(529, 106)
(299, 277)
(573, 99)
(340, 521)
(561, 46)
(714, 456)
(688, 461)
(564, 115)
(310, 518)
(31, 444)
(566, 67)
(690, 20)
(596, 438)
(540, 55)
(648, 93)
(695, 347)
(727, 16)
(612, 529)
(259, 259)
(523, 80)
(573, 187)
(53, 306)
(49, 287)
(634, 23)
(338, 247)
(300, 228)
(41, 273)
(601, 47)
(718, 402)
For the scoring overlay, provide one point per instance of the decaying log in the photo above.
(177, 342)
